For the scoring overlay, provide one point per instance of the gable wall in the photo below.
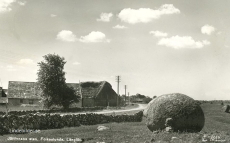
(107, 96)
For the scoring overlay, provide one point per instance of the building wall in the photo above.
(20, 101)
(104, 102)
(14, 101)
(14, 104)
(2, 107)
(107, 94)
(79, 104)
(88, 102)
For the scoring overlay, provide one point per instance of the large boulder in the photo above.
(147, 107)
(184, 113)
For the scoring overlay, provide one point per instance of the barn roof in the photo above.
(19, 89)
(91, 89)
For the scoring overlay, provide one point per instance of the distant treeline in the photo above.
(214, 101)
(138, 98)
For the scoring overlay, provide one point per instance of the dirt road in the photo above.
(140, 107)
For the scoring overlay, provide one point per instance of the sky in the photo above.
(156, 47)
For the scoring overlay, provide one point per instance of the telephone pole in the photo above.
(125, 93)
(118, 79)
(129, 97)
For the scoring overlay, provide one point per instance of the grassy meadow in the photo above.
(217, 127)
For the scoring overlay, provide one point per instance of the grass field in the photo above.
(217, 126)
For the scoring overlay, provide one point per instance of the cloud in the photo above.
(10, 68)
(145, 15)
(66, 35)
(26, 61)
(53, 15)
(119, 27)
(5, 5)
(105, 17)
(207, 29)
(76, 63)
(178, 42)
(219, 33)
(158, 33)
(22, 3)
(94, 36)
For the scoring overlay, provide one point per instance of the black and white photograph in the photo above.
(114, 71)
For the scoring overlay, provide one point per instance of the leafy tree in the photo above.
(147, 99)
(140, 96)
(51, 80)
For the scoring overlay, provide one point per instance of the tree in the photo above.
(140, 96)
(51, 80)
(147, 99)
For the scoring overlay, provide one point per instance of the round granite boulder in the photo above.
(185, 113)
(147, 108)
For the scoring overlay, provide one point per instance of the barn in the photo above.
(23, 94)
(91, 93)
(95, 93)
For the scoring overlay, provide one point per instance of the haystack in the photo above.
(185, 113)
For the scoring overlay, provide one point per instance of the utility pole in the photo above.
(125, 93)
(128, 96)
(118, 79)
(82, 103)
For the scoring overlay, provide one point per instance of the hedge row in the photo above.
(77, 109)
(56, 121)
